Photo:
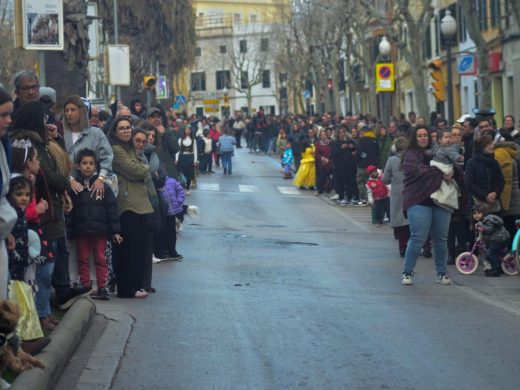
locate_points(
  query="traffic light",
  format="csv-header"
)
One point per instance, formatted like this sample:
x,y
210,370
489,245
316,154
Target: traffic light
x,y
149,82
438,83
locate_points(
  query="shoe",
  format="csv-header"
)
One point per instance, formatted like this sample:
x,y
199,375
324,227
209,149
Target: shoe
x,y
334,197
494,273
378,225
406,279
443,279
402,253
150,290
112,286
34,347
156,260
177,257
342,202
140,294
102,294
361,203
72,295
47,325
188,192
427,254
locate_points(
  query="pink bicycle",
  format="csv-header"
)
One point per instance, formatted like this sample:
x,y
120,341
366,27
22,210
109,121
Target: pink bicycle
x,y
467,262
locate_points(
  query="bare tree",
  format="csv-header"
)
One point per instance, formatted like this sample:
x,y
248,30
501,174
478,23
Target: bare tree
x,y
247,65
482,50
407,29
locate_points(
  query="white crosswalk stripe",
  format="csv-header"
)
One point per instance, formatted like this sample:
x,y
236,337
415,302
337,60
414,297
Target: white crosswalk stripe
x,y
289,190
247,188
209,186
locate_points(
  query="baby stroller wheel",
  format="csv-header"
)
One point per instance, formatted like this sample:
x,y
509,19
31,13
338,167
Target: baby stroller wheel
x,y
466,263
509,264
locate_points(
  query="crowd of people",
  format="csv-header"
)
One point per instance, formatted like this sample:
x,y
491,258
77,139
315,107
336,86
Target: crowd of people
x,y
431,180
112,186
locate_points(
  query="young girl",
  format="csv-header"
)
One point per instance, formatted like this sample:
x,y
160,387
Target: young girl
x,y
19,196
287,161
27,162
306,174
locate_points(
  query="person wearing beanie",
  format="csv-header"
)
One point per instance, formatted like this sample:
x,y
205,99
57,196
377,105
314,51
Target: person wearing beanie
x,y
377,193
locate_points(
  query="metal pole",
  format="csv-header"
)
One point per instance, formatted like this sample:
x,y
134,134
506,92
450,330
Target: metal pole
x,y
116,41
41,68
450,85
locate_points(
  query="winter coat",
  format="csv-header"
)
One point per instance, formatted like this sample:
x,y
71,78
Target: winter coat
x,y
173,196
226,143
505,154
19,256
394,176
50,185
323,156
132,173
7,213
343,159
483,176
384,144
367,151
514,203
493,230
91,215
296,138
167,149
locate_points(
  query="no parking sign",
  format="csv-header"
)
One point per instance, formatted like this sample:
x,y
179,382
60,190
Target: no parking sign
x,y
385,78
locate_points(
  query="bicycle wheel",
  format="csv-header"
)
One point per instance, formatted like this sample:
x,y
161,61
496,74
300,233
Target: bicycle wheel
x,y
517,257
466,263
509,264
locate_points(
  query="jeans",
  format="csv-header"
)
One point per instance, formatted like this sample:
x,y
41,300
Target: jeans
x,y
43,281
424,219
226,162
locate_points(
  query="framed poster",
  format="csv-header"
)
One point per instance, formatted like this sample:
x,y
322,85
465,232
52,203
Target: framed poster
x,y
42,24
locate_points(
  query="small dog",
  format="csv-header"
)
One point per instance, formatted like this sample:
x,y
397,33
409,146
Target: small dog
x,y
11,355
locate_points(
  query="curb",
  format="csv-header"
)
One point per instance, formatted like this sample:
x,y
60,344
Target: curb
x,y
64,341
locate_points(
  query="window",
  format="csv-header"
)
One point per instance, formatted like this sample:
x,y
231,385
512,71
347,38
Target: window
x,y
266,79
198,81
495,13
243,46
482,14
253,18
264,44
237,18
244,80
427,44
222,49
461,24
223,79
198,51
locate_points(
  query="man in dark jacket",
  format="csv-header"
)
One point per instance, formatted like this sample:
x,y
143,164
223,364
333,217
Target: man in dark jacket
x,y
367,154
296,137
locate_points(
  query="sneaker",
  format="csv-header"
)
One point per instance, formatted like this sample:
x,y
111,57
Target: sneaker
x,y
361,203
156,260
188,192
494,273
177,257
443,279
102,294
140,294
334,197
72,295
406,279
342,202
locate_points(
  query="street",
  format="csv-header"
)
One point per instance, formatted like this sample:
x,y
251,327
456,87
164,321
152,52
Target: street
x,y
280,289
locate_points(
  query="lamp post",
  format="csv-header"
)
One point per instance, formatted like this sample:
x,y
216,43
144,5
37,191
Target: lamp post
x,y
225,112
448,30
384,51
283,98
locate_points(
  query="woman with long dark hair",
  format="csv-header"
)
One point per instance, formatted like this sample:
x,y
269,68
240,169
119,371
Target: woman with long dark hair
x,y
187,158
134,206
420,181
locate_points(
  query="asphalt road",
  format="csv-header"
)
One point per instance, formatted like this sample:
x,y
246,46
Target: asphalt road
x,y
280,289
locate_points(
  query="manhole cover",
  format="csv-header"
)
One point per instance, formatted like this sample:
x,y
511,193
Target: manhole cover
x,y
234,235
288,243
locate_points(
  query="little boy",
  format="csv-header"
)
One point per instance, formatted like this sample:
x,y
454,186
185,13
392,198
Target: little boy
x,y
287,160
377,193
91,220
496,238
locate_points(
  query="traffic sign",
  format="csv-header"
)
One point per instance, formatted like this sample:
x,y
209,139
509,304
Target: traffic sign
x,y
467,64
180,100
306,94
385,78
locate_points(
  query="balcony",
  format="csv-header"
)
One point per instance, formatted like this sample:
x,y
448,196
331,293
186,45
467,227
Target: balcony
x,y
214,25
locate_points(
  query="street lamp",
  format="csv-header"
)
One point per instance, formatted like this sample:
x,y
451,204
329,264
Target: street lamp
x,y
448,30
384,51
283,98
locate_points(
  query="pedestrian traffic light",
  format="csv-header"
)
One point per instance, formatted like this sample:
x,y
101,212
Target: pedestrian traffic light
x,y
438,83
149,82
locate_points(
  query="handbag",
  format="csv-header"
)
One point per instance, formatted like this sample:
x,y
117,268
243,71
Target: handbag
x,y
492,208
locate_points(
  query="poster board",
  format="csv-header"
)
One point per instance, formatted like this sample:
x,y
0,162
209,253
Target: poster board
x,y
41,24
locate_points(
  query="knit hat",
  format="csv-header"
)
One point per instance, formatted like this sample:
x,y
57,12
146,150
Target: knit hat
x,y
371,168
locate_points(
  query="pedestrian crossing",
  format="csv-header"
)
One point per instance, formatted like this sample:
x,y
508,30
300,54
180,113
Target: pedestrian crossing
x,y
247,188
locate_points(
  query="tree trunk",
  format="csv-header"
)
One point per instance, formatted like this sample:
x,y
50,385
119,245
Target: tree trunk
x,y
414,57
482,52
249,100
65,83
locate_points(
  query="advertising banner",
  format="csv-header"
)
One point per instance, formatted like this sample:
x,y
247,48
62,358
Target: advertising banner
x,y
41,24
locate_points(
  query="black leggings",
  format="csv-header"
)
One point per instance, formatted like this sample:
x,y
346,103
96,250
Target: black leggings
x,y
165,240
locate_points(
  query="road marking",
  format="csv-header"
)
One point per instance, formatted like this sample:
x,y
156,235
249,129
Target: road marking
x,y
289,190
247,188
209,186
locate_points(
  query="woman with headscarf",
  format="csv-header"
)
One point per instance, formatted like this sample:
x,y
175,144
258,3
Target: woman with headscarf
x,y
79,135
